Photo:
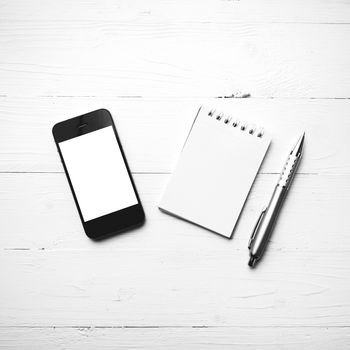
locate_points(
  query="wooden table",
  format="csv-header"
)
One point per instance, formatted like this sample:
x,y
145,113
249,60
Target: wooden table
x,y
171,285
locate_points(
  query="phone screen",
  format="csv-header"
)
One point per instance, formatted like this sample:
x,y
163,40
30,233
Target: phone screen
x,y
98,173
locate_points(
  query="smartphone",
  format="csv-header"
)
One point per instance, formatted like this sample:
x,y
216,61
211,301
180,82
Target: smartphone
x,y
98,174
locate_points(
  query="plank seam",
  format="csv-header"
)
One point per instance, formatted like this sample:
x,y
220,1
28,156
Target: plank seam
x,y
169,327
141,172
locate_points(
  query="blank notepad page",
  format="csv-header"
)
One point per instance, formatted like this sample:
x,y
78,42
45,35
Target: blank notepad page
x,y
215,171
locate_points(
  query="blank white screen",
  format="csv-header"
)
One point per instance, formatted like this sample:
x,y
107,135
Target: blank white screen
x,y
98,173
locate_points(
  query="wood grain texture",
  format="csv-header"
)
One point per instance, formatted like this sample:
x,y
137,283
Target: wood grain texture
x,y
173,288
153,130
170,284
175,338
298,11
38,213
160,275
165,59
279,49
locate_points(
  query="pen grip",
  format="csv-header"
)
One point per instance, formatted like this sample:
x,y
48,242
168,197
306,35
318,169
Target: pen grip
x,y
268,222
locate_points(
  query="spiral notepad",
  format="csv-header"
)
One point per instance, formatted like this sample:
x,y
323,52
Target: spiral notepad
x,y
216,169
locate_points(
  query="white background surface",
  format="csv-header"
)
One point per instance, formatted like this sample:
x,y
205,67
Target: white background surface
x,y
98,173
172,285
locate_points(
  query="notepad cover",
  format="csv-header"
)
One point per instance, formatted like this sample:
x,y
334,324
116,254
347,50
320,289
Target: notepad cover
x,y
214,174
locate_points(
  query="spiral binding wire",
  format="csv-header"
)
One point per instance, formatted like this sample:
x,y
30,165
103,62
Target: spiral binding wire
x,y
236,123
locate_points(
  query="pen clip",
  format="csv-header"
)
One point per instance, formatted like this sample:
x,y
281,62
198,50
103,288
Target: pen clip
x,y
252,237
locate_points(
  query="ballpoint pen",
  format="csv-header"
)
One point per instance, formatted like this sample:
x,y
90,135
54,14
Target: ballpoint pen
x,y
266,222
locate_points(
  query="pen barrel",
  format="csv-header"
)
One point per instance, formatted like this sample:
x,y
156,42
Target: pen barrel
x,y
268,221
289,171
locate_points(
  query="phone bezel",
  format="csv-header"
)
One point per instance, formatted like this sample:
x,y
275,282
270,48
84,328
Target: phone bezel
x,y
114,222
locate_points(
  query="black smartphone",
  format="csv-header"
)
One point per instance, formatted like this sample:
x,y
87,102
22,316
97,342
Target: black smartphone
x,y
98,174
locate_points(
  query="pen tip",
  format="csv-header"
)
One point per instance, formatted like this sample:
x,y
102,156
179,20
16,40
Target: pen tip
x,y
299,145
252,261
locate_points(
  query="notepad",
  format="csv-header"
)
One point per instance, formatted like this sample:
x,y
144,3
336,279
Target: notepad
x,y
215,171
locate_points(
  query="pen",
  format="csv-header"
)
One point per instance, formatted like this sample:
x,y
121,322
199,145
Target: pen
x,y
266,222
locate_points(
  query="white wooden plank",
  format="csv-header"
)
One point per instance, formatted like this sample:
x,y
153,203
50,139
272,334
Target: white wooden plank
x,y
162,58
175,338
153,130
314,11
173,288
38,212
